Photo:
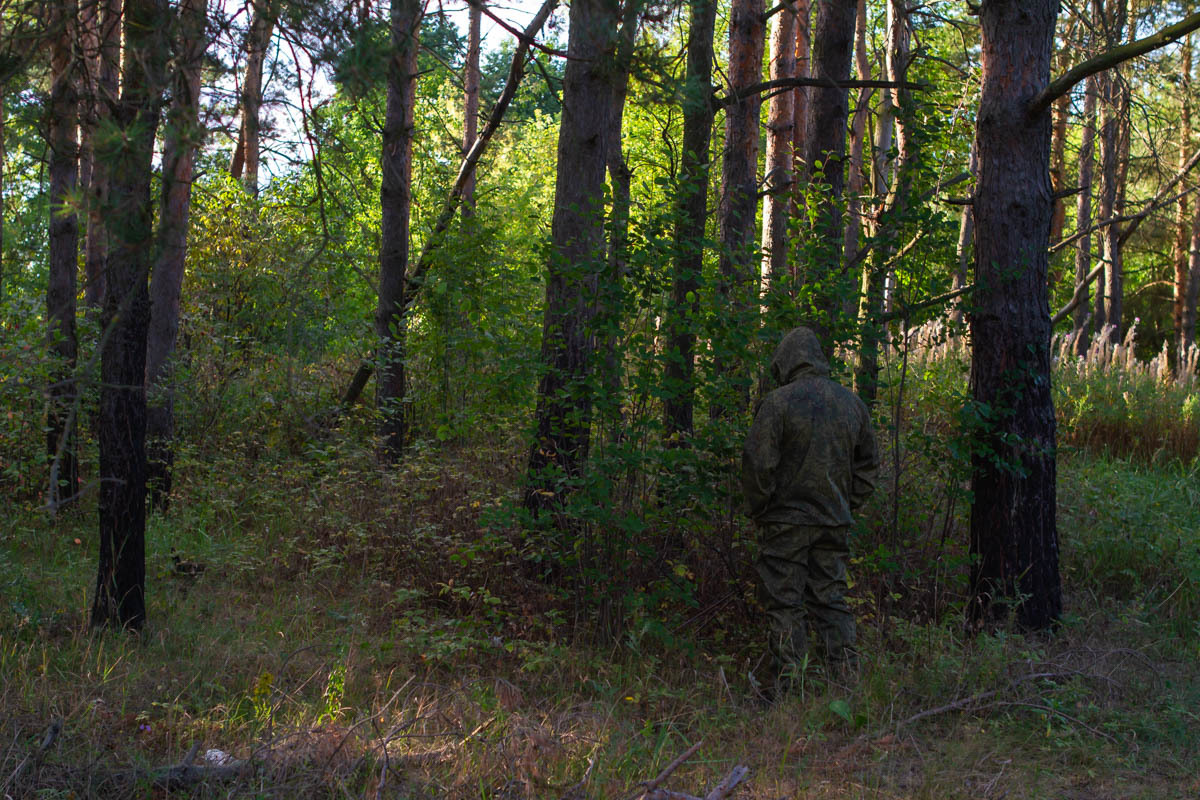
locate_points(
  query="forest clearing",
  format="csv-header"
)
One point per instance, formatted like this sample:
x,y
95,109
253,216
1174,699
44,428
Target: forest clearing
x,y
377,383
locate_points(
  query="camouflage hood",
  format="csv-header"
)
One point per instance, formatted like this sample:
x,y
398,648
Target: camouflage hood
x,y
798,354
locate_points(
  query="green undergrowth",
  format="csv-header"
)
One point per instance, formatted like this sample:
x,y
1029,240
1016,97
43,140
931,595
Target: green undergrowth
x,y
350,629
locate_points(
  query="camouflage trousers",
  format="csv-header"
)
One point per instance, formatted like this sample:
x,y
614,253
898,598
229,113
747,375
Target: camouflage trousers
x,y
802,576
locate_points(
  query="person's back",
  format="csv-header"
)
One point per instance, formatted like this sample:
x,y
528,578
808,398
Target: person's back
x,y
808,462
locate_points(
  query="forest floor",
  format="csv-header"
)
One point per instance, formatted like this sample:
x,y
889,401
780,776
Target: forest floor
x,y
335,649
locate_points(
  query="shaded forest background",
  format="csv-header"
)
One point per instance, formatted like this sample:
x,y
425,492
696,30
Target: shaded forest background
x,y
408,375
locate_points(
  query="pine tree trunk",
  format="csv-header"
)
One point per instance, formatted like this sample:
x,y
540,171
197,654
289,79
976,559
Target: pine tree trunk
x,y
855,180
1188,335
779,181
246,154
1013,531
101,28
577,255
1180,255
611,300
182,135
1083,212
62,118
121,577
391,325
3,159
824,157
683,312
1058,137
899,112
965,249
1114,140
736,270
471,102
800,95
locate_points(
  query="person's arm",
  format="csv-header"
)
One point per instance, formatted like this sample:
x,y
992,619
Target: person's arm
x,y
760,457
866,463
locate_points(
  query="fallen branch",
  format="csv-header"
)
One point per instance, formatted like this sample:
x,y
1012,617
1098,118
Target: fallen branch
x,y
725,787
650,786
652,789
974,701
34,758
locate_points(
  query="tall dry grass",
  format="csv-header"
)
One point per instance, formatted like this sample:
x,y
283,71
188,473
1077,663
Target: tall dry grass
x,y
1109,401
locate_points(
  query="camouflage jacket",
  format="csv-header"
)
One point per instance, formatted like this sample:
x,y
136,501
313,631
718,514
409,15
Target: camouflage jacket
x,y
810,457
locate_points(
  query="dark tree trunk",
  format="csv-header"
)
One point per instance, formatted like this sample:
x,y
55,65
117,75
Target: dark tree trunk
x,y
246,154
121,579
181,138
1013,529
3,119
577,257
391,324
611,300
471,101
62,119
1083,213
778,178
737,269
824,156
682,314
102,56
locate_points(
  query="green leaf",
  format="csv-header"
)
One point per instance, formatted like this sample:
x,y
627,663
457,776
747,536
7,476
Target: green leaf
x,y
842,709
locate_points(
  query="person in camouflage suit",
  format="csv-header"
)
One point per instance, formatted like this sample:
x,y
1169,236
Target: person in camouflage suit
x,y
809,460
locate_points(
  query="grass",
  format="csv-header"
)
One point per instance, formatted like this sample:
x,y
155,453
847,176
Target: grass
x,y
359,634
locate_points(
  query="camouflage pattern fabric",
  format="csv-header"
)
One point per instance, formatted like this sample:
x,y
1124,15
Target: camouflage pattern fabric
x,y
809,460
810,457
802,576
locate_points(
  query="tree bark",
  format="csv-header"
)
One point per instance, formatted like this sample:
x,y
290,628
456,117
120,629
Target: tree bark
x,y
62,118
824,157
778,180
182,136
471,101
1180,253
121,578
737,279
391,323
246,155
1114,141
577,257
611,310
800,95
874,301
1013,530
965,249
1188,337
692,198
1083,213
855,180
102,57
1058,140
3,159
